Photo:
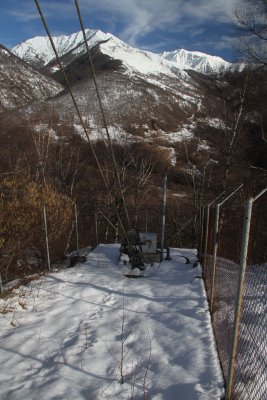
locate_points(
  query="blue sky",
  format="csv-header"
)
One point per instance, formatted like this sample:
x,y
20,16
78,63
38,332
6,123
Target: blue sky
x,y
155,25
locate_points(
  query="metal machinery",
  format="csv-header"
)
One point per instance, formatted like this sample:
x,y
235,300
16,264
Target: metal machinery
x,y
141,248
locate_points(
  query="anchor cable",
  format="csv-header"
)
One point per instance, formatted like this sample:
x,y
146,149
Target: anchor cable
x,y
78,111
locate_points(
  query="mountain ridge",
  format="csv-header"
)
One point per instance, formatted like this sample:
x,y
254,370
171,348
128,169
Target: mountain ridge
x,y
39,52
21,83
143,93
197,61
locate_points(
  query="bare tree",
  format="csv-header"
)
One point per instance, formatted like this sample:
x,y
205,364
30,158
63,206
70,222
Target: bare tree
x,y
251,20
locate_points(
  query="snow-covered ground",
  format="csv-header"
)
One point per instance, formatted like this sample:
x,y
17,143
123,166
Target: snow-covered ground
x,y
77,333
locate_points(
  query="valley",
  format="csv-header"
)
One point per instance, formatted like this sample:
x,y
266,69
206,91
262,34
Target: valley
x,y
185,114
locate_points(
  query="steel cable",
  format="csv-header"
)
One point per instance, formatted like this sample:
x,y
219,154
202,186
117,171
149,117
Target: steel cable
x,y
78,111
102,110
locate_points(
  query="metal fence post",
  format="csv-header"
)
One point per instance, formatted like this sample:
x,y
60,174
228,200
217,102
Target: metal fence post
x,y
200,244
76,227
163,216
216,243
214,252
205,245
1,286
46,239
241,286
96,228
239,300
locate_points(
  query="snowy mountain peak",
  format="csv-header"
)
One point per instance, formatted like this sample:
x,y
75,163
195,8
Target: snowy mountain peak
x,y
38,52
196,61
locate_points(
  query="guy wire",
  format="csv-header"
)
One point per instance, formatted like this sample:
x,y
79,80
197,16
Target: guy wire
x,y
77,110
102,109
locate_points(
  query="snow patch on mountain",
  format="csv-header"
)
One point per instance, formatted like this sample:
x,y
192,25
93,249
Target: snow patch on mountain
x,y
196,61
20,84
39,52
145,62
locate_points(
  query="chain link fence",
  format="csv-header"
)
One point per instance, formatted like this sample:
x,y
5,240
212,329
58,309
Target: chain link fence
x,y
237,294
208,246
250,375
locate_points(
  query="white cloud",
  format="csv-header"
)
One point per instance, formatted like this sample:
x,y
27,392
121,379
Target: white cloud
x,y
133,20
225,43
24,15
27,11
139,17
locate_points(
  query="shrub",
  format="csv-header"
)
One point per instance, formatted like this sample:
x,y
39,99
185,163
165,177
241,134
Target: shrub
x,y
22,235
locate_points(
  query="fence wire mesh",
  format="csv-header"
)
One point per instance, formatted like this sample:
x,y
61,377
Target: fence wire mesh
x,y
250,369
209,254
227,279
250,378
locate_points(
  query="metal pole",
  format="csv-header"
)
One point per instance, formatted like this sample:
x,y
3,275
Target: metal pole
x,y
96,228
76,226
231,194
46,240
214,252
239,301
1,286
163,216
200,246
205,246
260,194
216,243
206,238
